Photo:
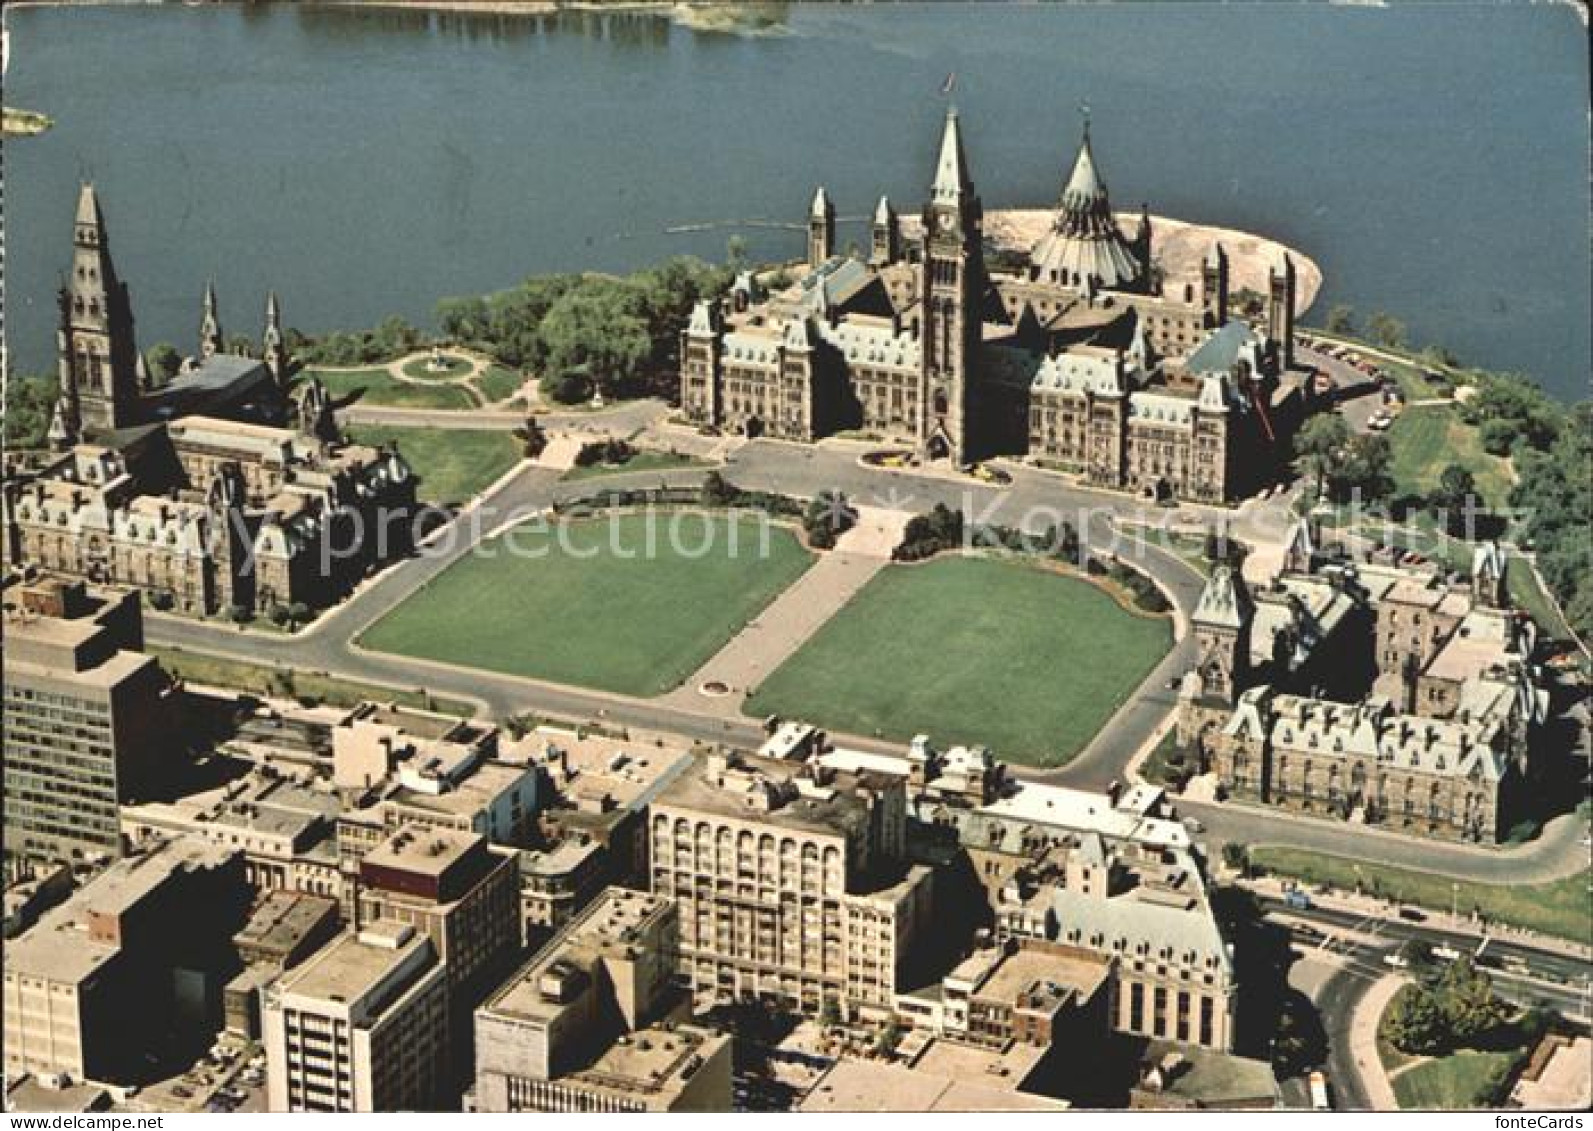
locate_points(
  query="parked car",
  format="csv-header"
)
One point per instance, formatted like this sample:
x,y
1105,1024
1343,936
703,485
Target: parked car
x,y
1396,960
1446,953
1298,900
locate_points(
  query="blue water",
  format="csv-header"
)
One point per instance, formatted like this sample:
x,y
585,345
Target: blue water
x,y
1432,159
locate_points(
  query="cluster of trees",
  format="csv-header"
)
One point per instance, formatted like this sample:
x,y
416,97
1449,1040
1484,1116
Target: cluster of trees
x,y
587,332
1511,414
1445,1008
1343,465
1145,592
828,516
29,404
393,337
1555,496
717,491
610,451
928,534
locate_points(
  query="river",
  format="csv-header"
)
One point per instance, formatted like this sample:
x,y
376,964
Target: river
x,y
1431,158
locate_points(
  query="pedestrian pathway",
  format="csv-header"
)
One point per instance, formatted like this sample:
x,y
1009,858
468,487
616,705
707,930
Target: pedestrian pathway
x,y
1363,1042
722,684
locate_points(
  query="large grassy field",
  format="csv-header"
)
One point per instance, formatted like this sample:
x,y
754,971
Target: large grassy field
x,y
971,650
1428,439
453,463
379,387
587,603
1562,908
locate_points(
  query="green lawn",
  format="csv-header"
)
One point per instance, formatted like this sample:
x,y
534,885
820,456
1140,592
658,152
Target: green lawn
x,y
971,650
1465,1078
1561,908
378,387
453,463
1427,440
641,461
453,366
260,679
499,383
587,603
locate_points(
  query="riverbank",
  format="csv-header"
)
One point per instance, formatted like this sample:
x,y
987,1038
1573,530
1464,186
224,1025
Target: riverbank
x,y
738,19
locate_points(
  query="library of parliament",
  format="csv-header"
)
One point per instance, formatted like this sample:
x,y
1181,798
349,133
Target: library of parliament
x,y
1082,357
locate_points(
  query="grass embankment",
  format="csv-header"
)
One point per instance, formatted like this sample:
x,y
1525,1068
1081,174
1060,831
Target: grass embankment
x,y
1561,908
631,603
1465,1078
641,461
1427,439
499,383
971,650
295,683
453,463
379,387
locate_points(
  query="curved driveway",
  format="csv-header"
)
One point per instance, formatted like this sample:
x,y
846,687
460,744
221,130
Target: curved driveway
x,y
1033,499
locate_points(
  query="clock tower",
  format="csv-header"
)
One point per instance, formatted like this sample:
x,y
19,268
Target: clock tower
x,y
953,277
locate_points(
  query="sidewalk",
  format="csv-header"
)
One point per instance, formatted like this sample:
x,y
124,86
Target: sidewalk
x,y
1363,1042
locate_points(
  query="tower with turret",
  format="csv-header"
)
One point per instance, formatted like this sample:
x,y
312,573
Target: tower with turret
x,y
210,341
97,355
953,273
273,346
1214,287
821,229
1280,307
886,245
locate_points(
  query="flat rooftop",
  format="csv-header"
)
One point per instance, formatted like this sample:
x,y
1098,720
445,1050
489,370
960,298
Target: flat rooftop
x,y
868,1086
835,809
610,923
424,851
1028,967
629,772
354,966
650,1060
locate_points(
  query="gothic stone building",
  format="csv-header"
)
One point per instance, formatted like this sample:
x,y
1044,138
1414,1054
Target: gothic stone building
x,y
1082,358
191,491
1367,691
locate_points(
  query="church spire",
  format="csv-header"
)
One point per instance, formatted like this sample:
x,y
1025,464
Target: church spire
x,y
210,326
272,345
951,169
96,354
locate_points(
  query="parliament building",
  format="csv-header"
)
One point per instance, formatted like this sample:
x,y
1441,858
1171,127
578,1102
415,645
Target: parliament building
x,y
1082,358
228,488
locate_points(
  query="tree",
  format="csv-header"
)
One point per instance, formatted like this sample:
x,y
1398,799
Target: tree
x,y
1366,469
1341,319
1415,1022
829,1013
1455,499
1318,447
162,360
1385,329
29,406
717,491
1236,858
532,437
1469,1003
600,329
1498,437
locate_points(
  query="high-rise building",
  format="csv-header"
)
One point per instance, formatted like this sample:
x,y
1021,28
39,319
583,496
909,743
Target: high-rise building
x,y
87,717
792,882
361,1027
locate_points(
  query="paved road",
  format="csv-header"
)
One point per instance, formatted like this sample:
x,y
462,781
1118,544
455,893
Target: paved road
x,y
1032,500
1545,976
622,420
